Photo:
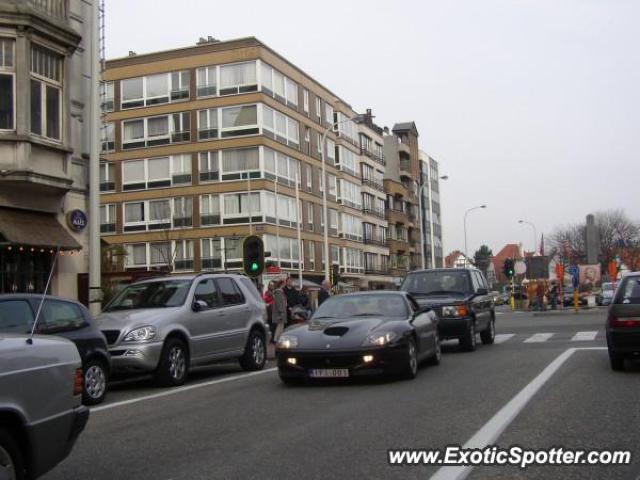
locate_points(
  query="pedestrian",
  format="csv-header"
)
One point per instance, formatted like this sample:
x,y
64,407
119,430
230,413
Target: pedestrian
x,y
553,294
305,301
293,297
270,300
279,316
325,292
540,295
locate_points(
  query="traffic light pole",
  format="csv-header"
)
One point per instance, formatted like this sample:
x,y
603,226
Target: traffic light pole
x,y
513,298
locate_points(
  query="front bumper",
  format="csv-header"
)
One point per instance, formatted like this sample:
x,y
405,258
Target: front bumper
x,y
453,327
386,360
624,341
135,357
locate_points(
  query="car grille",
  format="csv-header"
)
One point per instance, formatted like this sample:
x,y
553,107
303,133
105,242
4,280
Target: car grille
x,y
330,361
111,336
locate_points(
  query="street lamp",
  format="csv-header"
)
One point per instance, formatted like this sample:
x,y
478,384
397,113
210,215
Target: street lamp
x,y
535,234
466,256
325,187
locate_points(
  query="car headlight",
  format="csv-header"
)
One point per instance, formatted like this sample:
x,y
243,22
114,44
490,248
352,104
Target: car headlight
x,y
379,339
288,341
141,334
455,311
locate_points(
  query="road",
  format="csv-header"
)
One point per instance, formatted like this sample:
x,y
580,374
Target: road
x,y
232,425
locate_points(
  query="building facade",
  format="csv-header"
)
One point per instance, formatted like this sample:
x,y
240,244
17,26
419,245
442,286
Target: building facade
x,y
44,159
207,144
431,214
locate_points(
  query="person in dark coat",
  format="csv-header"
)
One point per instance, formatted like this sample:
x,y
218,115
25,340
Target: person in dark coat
x,y
279,315
325,292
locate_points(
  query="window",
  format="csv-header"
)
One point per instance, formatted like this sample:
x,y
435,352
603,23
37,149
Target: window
x,y
285,250
233,250
239,120
238,78
349,194
208,124
305,101
335,254
206,82
292,93
350,227
148,215
333,219
238,207
229,292
320,181
160,172
134,218
284,209
310,216
154,131
311,253
7,84
207,292
328,114
159,253
331,151
280,166
183,255
211,253
107,218
309,175
347,161
365,143
240,163
319,143
333,182
208,165
181,169
107,177
46,97
279,86
347,128
159,214
108,137
209,210
154,89
61,316
136,255
16,316
352,260
182,212
277,125
319,109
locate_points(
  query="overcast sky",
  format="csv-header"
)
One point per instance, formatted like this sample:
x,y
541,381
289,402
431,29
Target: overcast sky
x,y
530,106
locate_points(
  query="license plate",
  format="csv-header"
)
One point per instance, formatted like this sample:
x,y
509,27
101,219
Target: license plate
x,y
329,373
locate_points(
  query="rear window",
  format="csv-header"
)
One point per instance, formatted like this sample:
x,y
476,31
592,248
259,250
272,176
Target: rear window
x,y
16,316
229,292
60,316
629,291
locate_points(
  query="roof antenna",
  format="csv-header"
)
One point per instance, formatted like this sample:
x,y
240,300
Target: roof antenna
x,y
44,295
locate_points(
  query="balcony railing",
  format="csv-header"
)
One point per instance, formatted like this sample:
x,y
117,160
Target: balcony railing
x,y
376,269
53,8
375,240
373,184
373,211
373,156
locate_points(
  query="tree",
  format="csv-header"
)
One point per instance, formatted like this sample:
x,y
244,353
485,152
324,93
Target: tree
x,y
482,258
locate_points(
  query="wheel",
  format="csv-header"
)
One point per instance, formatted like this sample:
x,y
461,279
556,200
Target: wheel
x,y
617,361
255,352
95,382
489,333
410,370
468,342
11,463
437,355
174,362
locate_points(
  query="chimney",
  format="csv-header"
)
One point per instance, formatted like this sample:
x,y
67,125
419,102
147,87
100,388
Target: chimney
x,y
132,53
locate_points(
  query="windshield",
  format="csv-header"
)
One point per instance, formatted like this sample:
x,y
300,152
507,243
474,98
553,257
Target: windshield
x,y
437,283
353,306
161,294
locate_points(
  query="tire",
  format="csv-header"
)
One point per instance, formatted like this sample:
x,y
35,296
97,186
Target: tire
x,y
96,379
468,342
410,369
617,361
173,367
437,356
11,461
255,352
489,334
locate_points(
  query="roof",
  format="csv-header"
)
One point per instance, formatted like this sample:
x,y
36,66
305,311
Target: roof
x,y
35,229
510,250
405,126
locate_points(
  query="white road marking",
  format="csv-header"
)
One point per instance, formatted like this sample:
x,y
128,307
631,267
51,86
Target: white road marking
x,y
502,337
584,336
174,391
491,430
539,337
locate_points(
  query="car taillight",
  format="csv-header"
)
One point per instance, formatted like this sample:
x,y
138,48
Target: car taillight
x,y
78,382
624,322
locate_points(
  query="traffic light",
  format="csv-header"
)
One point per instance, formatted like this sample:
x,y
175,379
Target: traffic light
x,y
253,255
508,268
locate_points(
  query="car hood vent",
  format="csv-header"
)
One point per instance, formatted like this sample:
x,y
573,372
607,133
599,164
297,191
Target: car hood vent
x,y
336,331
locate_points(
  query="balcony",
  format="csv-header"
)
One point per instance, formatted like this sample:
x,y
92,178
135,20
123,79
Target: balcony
x,y
393,187
396,216
376,269
374,212
405,168
373,156
53,8
379,186
375,240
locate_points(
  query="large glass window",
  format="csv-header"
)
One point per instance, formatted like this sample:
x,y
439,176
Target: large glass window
x,y
208,124
280,166
183,258
155,89
238,78
7,85
107,218
277,125
283,209
208,166
46,84
240,163
108,137
211,253
241,120
350,194
158,130
107,177
350,227
206,82
239,206
182,212
209,210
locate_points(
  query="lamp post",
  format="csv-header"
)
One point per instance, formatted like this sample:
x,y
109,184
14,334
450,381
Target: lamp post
x,y
325,185
466,256
535,233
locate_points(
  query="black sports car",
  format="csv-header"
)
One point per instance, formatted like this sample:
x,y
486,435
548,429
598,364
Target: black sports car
x,y
358,334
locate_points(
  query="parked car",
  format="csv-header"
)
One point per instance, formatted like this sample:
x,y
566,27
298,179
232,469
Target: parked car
x,y
69,319
623,322
605,297
41,415
360,334
460,298
166,325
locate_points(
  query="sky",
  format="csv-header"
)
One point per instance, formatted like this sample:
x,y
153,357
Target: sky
x,y
531,106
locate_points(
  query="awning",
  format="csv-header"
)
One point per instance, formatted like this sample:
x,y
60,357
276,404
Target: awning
x,y
34,229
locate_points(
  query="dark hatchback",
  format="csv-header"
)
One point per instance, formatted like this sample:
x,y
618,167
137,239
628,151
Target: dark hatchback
x,y
623,322
460,297
68,319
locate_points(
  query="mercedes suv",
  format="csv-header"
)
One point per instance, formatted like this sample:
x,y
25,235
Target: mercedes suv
x,y
460,298
166,325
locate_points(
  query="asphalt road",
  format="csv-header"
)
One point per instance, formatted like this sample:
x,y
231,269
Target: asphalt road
x,y
229,424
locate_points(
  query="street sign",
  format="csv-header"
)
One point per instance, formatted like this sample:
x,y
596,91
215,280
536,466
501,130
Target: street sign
x,y
520,267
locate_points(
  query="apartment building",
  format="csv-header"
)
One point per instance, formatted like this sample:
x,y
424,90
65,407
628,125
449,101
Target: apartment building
x,y
43,150
401,184
431,215
206,144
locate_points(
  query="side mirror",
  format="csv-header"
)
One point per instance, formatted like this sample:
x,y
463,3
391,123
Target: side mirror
x,y
482,291
199,305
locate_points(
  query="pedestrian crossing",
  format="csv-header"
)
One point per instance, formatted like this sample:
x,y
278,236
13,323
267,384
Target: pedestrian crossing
x,y
542,337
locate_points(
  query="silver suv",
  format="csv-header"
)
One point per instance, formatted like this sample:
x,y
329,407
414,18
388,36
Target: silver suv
x,y
166,325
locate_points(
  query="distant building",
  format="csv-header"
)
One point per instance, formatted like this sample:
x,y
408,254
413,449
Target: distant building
x,y
510,250
456,259
431,217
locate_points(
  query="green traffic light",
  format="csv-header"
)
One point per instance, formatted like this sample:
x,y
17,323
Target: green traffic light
x,y
254,267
